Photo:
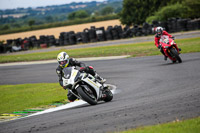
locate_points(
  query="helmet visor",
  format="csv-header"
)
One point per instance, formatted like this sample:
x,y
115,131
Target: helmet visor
x,y
159,33
62,62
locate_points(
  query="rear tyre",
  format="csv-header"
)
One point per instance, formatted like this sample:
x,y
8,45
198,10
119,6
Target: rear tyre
x,y
175,53
109,95
87,96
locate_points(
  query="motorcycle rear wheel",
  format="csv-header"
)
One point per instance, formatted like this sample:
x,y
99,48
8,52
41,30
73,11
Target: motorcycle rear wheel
x,y
86,96
175,53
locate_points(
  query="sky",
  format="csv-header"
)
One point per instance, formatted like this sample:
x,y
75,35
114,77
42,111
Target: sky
x,y
11,4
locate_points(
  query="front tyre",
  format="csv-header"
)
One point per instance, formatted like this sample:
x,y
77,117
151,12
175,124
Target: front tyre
x,y
175,53
87,96
109,95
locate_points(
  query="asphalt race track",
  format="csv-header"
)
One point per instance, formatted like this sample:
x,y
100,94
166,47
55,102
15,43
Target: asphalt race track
x,y
150,91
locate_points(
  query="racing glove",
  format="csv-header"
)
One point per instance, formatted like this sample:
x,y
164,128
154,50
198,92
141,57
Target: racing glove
x,y
159,46
173,38
65,87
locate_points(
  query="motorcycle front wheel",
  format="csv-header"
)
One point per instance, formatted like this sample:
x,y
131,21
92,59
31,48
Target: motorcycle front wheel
x,y
87,96
175,53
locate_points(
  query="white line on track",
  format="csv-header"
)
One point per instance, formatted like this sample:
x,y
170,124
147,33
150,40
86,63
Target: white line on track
x,y
69,105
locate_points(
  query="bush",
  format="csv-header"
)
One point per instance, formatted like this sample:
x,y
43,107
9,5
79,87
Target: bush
x,y
152,18
193,8
5,27
78,14
176,10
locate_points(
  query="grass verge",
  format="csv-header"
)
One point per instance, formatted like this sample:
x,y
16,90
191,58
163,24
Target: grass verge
x,y
186,126
25,96
140,49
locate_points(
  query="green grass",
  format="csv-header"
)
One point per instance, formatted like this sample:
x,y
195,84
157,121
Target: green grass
x,y
186,126
25,96
140,49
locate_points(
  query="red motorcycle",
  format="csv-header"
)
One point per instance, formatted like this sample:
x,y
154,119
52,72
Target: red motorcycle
x,y
170,48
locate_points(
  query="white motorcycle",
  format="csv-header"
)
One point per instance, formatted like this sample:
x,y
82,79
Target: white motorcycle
x,y
84,86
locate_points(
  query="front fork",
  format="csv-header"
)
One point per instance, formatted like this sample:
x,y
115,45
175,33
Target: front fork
x,y
75,94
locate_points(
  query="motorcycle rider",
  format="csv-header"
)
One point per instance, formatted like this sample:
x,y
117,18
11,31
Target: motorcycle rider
x,y
159,33
64,61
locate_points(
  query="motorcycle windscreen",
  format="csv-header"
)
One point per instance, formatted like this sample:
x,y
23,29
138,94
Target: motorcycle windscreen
x,y
67,72
164,39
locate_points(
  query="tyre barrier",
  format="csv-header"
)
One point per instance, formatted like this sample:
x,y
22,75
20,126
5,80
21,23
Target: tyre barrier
x,y
98,34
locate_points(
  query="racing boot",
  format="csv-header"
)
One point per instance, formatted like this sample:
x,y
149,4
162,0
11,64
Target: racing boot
x,y
179,50
165,57
100,79
103,96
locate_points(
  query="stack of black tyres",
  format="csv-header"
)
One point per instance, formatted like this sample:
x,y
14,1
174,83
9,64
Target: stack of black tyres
x,y
173,24
164,25
146,29
119,30
66,38
139,32
181,25
78,37
92,34
155,23
51,40
115,33
43,40
8,46
193,24
17,42
33,41
72,37
85,36
25,44
135,30
100,33
197,23
61,39
128,32
108,33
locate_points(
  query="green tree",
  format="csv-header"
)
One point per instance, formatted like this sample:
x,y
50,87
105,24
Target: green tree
x,y
136,11
71,16
193,8
107,10
78,14
182,9
174,10
49,18
81,14
31,22
5,27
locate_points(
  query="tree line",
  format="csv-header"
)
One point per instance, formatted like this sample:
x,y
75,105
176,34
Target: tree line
x,y
53,15
140,11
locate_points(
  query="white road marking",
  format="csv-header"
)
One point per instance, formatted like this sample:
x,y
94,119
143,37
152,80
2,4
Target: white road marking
x,y
69,105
